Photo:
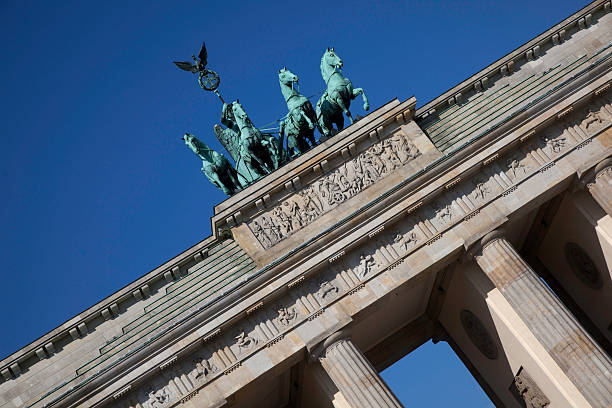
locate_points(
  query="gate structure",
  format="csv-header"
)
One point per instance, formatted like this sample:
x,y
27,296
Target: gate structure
x,y
482,219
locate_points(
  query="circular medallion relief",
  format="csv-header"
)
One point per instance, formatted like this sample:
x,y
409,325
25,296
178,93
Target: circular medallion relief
x,y
582,265
478,334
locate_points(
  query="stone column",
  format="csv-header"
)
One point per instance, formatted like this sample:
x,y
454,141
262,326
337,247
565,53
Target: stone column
x,y
353,374
582,360
600,186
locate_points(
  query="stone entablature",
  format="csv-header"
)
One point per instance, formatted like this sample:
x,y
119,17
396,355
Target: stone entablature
x,y
321,292
507,65
111,308
478,188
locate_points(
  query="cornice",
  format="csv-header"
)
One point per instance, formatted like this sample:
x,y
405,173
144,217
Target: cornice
x,y
554,36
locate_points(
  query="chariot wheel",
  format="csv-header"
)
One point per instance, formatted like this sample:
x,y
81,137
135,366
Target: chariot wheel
x,y
209,80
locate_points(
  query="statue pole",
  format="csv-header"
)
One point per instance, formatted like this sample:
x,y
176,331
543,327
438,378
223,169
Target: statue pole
x,y
219,95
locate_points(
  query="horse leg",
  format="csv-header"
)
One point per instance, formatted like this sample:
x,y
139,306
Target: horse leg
x,y
214,177
250,157
307,134
356,92
323,124
307,119
344,108
339,121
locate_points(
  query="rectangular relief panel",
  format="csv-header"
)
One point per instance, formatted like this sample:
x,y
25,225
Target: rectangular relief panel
x,y
362,176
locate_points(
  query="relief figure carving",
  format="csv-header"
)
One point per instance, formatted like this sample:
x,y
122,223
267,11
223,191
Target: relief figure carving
x,y
366,264
286,315
245,342
555,145
515,167
481,189
334,188
157,398
203,368
405,240
443,212
592,119
529,391
327,289
260,234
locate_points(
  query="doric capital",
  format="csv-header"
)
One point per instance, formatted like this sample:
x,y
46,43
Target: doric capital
x,y
590,171
319,351
603,166
474,248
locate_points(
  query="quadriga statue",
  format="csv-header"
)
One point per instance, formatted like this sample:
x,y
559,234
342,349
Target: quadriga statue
x,y
215,166
261,153
338,95
301,120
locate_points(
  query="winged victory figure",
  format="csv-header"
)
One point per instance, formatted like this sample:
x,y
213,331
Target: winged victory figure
x,y
208,79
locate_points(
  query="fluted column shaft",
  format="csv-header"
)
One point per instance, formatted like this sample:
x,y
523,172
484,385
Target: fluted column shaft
x,y
601,186
353,374
582,360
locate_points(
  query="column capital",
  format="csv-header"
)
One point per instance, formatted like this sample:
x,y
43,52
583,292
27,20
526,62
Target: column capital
x,y
318,351
605,164
598,182
475,247
589,172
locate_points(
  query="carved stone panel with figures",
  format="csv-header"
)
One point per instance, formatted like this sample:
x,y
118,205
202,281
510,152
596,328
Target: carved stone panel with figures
x,y
355,175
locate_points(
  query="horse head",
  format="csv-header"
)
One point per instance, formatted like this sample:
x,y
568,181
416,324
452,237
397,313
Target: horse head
x,y
331,59
287,77
198,147
241,116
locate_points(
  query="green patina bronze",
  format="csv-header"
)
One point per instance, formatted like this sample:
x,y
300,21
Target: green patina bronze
x,y
209,80
258,153
261,153
301,120
215,166
338,95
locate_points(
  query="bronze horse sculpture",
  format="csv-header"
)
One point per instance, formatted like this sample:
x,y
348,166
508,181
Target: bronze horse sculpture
x,y
215,166
255,152
261,153
337,97
301,120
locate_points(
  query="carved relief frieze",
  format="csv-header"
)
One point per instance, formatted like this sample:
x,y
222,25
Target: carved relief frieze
x,y
592,119
405,241
324,194
367,263
202,368
443,212
554,141
286,316
482,189
327,291
245,342
527,391
156,397
424,223
517,168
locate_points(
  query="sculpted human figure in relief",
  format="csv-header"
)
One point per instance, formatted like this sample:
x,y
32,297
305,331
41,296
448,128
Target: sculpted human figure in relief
x,y
334,188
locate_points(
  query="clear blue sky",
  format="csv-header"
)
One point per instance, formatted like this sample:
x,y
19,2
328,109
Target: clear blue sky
x,y
98,189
